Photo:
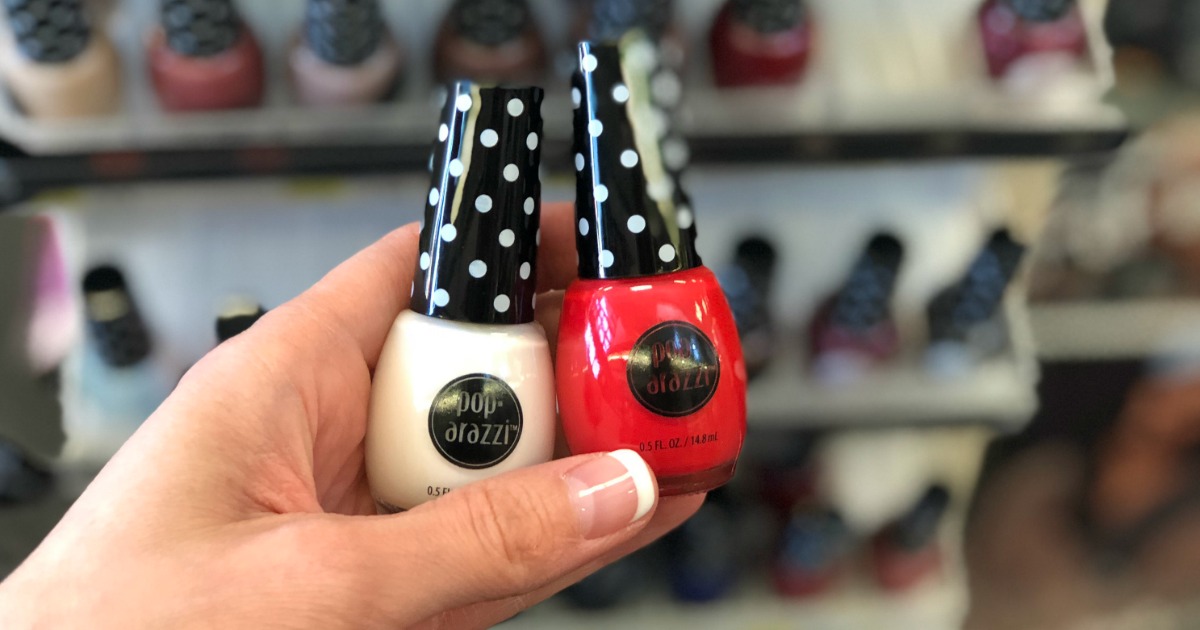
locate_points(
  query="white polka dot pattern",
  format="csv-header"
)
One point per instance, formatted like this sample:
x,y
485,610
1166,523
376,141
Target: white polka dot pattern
x,y
480,233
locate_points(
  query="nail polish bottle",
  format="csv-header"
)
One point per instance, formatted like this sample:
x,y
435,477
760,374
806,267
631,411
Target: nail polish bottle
x,y
761,42
906,551
648,354
344,55
610,20
237,318
119,382
965,322
21,480
611,586
60,66
813,553
747,286
854,329
464,387
490,40
704,553
1014,29
53,324
203,57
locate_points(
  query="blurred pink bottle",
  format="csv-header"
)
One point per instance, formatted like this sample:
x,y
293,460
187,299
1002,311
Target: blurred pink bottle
x,y
1014,29
344,55
53,326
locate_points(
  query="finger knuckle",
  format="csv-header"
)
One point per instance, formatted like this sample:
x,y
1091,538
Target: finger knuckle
x,y
516,533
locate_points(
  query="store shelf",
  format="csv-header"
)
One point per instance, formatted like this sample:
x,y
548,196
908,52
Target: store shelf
x,y
1131,329
917,90
999,393
938,605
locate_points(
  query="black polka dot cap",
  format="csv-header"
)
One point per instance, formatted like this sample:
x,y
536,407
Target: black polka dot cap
x,y
49,31
201,28
976,298
491,22
1041,10
344,32
634,218
770,16
113,318
478,260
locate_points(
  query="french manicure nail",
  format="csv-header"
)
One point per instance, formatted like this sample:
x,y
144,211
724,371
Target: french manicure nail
x,y
611,492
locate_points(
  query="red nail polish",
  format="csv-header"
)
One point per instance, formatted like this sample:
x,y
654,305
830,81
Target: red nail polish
x,y
761,42
1013,29
907,551
854,330
202,57
648,353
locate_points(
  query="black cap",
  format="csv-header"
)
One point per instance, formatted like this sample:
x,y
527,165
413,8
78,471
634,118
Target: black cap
x,y
976,298
916,528
634,219
49,31
612,19
864,301
113,318
1040,10
344,32
478,259
201,28
490,22
237,318
770,16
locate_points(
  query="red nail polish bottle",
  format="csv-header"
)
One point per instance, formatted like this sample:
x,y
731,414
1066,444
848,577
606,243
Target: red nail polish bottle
x,y
648,353
1013,29
907,551
761,42
202,57
854,329
490,40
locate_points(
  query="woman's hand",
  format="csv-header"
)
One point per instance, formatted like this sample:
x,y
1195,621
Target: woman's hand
x,y
243,501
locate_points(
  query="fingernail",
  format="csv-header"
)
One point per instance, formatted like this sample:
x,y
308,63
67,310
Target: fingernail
x,y
611,492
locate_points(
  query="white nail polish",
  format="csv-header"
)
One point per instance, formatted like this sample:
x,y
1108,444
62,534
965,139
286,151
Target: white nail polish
x,y
464,388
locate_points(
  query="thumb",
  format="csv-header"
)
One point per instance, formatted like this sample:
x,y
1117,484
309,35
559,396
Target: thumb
x,y
508,536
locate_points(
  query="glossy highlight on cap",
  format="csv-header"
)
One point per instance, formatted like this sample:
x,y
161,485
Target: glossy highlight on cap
x,y
478,259
633,216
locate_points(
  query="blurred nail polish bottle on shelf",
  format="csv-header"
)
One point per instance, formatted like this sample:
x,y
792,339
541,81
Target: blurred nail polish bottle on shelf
x,y
966,324
118,382
203,57
21,480
464,388
854,330
54,327
611,586
495,41
609,20
60,67
704,552
813,553
761,42
648,354
747,286
906,552
237,317
1012,30
344,55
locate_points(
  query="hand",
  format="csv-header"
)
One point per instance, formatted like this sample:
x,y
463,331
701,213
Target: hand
x,y
243,501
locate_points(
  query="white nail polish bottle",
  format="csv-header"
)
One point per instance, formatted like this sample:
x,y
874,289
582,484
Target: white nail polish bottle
x,y
464,388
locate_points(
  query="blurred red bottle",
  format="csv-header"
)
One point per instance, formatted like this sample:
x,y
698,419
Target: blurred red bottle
x,y
1013,29
761,42
648,352
907,551
854,329
203,57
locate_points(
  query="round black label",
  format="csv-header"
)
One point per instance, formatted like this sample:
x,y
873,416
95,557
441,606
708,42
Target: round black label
x,y
475,421
674,370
